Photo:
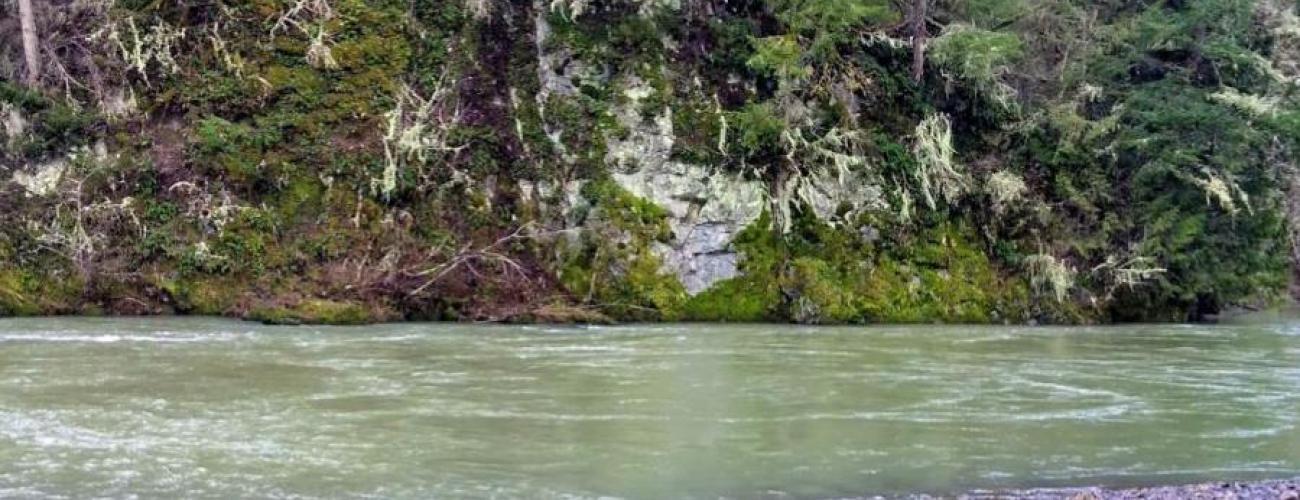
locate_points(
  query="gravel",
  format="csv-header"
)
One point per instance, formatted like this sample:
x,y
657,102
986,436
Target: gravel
x,y
1286,489
1259,490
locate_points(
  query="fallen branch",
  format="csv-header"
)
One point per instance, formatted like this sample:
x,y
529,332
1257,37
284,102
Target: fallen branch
x,y
467,256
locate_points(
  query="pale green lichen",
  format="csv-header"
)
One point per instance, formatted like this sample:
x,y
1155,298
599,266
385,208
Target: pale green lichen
x,y
979,56
1223,191
1257,105
139,48
1004,188
418,128
44,179
1049,275
937,169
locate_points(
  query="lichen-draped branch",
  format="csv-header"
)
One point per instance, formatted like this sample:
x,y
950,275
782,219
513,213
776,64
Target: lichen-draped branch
x,y
1222,190
139,48
937,170
1004,188
418,131
309,17
80,227
1049,275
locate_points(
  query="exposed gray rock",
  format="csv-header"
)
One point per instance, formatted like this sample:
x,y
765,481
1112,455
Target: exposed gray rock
x,y
706,209
564,201
12,122
648,143
548,63
559,72
42,179
827,191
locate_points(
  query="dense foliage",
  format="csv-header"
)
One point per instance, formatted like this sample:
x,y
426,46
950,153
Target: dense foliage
x,y
537,160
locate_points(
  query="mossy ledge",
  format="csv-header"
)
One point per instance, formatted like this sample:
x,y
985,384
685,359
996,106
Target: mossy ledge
x,y
315,312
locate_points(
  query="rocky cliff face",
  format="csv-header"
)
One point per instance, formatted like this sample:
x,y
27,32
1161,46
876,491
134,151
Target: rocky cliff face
x,y
706,206
347,161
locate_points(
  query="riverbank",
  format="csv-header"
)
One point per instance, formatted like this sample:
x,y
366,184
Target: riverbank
x,y
1284,489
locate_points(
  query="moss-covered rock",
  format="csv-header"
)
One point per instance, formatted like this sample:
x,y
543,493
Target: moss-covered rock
x,y
315,312
560,314
204,295
13,299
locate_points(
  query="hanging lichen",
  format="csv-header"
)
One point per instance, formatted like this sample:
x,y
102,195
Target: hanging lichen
x,y
1048,275
418,128
156,45
937,174
1004,188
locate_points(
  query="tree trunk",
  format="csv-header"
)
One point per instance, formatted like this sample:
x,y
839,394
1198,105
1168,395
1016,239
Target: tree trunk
x,y
919,35
31,51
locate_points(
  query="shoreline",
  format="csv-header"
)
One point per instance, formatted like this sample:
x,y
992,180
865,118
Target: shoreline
x,y
281,319
1273,489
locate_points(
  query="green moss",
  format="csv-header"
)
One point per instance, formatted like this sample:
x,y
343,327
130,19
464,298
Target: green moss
x,y
222,93
824,274
758,132
754,295
315,312
584,123
13,299
939,276
234,149
616,35
55,126
300,200
698,128
746,299
210,296
821,294
627,211
29,292
627,283
298,148
613,265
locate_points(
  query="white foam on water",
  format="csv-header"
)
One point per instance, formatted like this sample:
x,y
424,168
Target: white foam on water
x,y
579,349
100,339
47,431
1073,390
1247,433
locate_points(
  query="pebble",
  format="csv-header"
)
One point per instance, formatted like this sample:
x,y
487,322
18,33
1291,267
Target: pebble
x,y
1286,489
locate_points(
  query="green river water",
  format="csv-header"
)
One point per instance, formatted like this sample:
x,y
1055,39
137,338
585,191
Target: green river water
x,y
208,408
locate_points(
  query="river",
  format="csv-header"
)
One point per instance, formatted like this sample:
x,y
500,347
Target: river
x,y
211,408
